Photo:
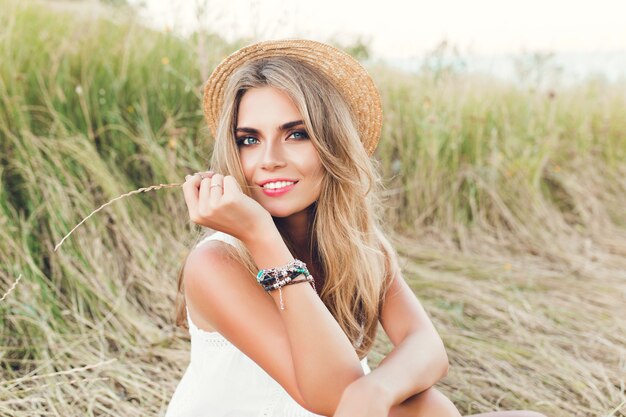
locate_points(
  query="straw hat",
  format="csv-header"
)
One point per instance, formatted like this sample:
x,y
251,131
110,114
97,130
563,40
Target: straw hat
x,y
345,72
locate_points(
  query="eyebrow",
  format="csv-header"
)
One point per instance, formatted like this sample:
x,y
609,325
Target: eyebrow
x,y
284,127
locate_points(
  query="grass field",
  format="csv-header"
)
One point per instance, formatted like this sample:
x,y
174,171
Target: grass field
x,y
506,204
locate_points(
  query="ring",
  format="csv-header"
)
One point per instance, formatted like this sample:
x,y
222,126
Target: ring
x,y
216,185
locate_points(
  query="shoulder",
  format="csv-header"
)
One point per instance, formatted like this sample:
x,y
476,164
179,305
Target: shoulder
x,y
213,281
209,262
222,292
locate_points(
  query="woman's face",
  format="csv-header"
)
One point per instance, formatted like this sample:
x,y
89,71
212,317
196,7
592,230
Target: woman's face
x,y
274,146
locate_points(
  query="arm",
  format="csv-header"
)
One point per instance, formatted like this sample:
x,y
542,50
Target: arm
x,y
325,361
411,367
221,291
419,358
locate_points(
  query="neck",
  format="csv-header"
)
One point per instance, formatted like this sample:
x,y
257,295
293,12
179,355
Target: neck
x,y
297,228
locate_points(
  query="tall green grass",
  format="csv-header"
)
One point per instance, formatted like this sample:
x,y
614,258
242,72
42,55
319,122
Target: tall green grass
x,y
506,204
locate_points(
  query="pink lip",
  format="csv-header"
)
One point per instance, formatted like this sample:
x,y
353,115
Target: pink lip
x,y
278,191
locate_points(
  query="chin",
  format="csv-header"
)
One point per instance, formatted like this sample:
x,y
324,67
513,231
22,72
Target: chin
x,y
282,212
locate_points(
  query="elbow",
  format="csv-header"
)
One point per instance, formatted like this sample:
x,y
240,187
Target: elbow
x,y
446,363
323,411
446,368
326,403
324,406
443,358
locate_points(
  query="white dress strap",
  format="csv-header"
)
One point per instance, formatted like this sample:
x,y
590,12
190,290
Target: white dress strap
x,y
217,235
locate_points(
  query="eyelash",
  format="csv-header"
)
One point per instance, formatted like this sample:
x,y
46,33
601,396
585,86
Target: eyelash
x,y
240,139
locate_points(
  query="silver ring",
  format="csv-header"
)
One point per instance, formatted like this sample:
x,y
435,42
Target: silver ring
x,y
216,185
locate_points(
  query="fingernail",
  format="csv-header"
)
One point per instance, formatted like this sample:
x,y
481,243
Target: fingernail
x,y
187,177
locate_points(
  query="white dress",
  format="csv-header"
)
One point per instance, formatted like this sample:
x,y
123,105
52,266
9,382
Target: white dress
x,y
221,381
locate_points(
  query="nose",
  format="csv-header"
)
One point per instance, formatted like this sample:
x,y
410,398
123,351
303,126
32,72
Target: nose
x,y
272,156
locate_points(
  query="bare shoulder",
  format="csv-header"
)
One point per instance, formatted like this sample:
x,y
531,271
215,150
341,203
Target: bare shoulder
x,y
221,291
208,271
211,252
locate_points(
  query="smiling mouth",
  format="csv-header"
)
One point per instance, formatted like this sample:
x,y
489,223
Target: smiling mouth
x,y
279,190
285,185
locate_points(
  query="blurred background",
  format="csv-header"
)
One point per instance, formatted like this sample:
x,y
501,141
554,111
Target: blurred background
x,y
574,39
502,152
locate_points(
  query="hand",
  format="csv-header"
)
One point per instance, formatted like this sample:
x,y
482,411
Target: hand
x,y
217,202
363,399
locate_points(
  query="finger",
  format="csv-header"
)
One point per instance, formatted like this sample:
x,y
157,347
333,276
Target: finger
x,y
197,177
204,198
215,193
191,190
231,186
203,174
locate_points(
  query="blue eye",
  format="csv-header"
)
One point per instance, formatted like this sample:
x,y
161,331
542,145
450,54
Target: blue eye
x,y
242,140
301,132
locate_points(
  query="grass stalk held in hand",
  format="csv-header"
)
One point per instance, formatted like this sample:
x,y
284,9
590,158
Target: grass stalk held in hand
x,y
140,190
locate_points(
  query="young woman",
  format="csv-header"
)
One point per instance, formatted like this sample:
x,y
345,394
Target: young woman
x,y
292,198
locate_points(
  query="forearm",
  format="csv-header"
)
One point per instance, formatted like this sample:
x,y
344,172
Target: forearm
x,y
325,361
414,365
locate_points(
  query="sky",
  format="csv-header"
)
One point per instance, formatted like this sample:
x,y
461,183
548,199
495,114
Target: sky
x,y
587,37
405,28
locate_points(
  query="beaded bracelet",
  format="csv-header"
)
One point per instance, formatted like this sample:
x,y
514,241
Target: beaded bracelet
x,y
267,277
269,283
288,281
276,278
272,274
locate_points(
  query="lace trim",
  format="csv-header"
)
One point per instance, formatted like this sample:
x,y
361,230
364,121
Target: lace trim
x,y
211,338
273,402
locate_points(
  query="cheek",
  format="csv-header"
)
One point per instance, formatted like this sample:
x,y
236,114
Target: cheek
x,y
316,167
311,161
247,167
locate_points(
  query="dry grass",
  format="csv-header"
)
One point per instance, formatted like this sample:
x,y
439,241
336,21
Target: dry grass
x,y
506,205
525,331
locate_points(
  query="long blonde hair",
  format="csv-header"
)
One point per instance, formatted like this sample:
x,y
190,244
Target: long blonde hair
x,y
347,241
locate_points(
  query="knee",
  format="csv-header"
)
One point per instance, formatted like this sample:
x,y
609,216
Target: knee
x,y
432,402
441,402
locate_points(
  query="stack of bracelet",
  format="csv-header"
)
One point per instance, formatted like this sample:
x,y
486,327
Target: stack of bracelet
x,y
276,278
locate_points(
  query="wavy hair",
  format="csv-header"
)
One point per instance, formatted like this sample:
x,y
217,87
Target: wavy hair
x,y
347,242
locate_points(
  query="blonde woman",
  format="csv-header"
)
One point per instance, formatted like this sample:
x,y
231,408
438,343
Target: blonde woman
x,y
295,124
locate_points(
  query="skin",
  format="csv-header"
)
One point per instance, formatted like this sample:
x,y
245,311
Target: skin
x,y
217,202
275,153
